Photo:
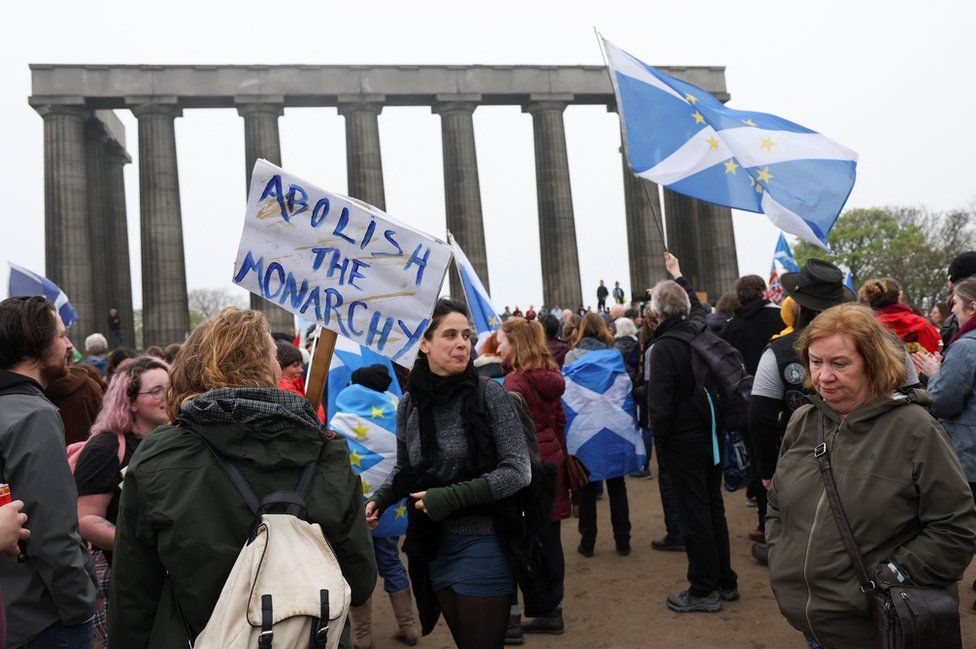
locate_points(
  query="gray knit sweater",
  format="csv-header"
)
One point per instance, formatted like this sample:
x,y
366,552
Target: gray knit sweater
x,y
512,473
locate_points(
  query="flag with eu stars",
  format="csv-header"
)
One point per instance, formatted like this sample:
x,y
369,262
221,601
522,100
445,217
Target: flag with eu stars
x,y
601,429
26,282
348,357
783,262
683,138
367,420
483,313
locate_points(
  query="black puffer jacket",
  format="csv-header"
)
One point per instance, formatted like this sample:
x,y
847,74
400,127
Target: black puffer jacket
x,y
750,329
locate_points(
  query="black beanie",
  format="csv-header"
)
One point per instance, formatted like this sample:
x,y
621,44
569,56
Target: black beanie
x,y
375,377
963,266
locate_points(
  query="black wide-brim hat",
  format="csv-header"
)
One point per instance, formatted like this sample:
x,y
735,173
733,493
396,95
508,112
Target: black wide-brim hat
x,y
819,285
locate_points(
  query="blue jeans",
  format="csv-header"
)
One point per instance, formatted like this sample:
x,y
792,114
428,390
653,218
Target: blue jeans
x,y
389,565
63,636
813,644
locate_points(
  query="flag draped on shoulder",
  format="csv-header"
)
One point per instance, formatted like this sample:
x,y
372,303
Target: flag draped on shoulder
x,y
348,357
483,313
26,282
600,426
783,262
367,420
680,136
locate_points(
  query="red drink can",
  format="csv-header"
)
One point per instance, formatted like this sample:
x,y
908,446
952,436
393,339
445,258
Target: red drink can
x,y
4,493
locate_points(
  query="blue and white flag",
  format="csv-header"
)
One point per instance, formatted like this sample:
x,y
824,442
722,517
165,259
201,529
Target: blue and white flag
x,y
600,426
679,136
25,282
348,357
849,282
783,262
367,420
483,313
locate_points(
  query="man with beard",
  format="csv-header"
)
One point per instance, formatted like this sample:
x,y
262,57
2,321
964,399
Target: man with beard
x,y
49,591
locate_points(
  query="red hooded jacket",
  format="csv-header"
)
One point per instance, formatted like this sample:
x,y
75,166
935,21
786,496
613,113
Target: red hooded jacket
x,y
909,327
543,391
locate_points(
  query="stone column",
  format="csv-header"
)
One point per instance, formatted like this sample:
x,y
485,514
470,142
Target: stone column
x,y
261,140
557,229
165,314
99,226
67,245
723,263
645,247
119,271
462,189
364,165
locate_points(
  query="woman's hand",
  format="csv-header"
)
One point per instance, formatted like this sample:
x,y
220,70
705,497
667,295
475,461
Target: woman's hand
x,y
372,515
767,484
419,498
671,263
926,363
12,527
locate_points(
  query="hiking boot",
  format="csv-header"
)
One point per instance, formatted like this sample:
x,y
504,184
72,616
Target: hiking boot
x,y
687,603
552,625
728,594
751,501
757,536
668,544
642,475
585,551
403,611
362,622
513,635
760,553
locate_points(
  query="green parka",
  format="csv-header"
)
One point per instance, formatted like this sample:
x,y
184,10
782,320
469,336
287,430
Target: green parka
x,y
182,523
906,499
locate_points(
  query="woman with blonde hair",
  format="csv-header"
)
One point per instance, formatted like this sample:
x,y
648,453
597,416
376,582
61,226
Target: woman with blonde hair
x,y
897,477
182,523
533,373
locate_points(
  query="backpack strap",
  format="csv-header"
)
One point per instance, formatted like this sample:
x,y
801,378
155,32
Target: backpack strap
x,y
234,473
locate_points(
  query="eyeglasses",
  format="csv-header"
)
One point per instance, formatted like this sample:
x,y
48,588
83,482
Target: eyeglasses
x,y
156,393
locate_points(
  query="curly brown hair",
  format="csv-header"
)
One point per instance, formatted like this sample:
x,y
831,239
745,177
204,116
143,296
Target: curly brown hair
x,y
229,350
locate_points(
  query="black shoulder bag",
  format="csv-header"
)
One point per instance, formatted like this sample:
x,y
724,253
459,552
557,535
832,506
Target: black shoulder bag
x,y
905,617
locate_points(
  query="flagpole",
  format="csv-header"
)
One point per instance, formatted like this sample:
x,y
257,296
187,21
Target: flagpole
x,y
655,215
457,267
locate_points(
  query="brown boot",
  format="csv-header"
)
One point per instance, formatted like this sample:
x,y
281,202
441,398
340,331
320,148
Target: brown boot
x,y
362,622
403,610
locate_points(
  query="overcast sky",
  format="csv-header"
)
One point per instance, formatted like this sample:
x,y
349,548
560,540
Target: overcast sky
x,y
892,80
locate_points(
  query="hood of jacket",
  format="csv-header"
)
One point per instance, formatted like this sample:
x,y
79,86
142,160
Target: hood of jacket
x,y
10,379
487,359
70,382
268,428
900,319
751,309
550,384
592,344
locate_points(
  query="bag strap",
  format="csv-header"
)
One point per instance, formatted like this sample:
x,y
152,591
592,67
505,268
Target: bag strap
x,y
867,585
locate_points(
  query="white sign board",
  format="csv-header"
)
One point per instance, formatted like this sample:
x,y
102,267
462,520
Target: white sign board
x,y
339,261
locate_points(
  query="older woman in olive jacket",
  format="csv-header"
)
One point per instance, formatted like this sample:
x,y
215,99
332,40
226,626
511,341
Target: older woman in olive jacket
x,y
898,478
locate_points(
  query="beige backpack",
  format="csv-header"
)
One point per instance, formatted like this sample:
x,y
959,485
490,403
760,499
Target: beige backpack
x,y
286,589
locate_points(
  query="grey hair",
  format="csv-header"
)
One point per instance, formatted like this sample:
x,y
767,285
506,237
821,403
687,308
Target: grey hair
x,y
669,299
624,327
96,344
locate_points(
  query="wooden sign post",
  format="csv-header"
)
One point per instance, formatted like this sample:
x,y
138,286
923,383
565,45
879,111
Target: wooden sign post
x,y
319,368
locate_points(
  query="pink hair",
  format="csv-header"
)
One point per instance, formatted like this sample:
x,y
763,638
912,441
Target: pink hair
x,y
115,416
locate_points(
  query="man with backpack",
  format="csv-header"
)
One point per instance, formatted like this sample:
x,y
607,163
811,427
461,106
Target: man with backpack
x,y
685,410
49,591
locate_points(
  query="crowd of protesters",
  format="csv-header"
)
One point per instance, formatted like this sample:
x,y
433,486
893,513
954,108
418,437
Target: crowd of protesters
x,y
123,528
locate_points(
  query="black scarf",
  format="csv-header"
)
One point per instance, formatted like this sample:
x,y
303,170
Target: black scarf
x,y
427,391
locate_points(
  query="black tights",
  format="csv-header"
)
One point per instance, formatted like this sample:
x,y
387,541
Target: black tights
x,y
475,622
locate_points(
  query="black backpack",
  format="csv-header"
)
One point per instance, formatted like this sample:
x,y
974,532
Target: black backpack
x,y
718,366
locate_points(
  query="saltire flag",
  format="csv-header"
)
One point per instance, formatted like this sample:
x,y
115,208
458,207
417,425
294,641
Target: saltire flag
x,y
367,420
783,262
483,314
348,357
849,282
26,282
679,136
601,429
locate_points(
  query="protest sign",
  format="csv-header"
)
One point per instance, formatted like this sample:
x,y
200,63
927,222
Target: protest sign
x,y
339,261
